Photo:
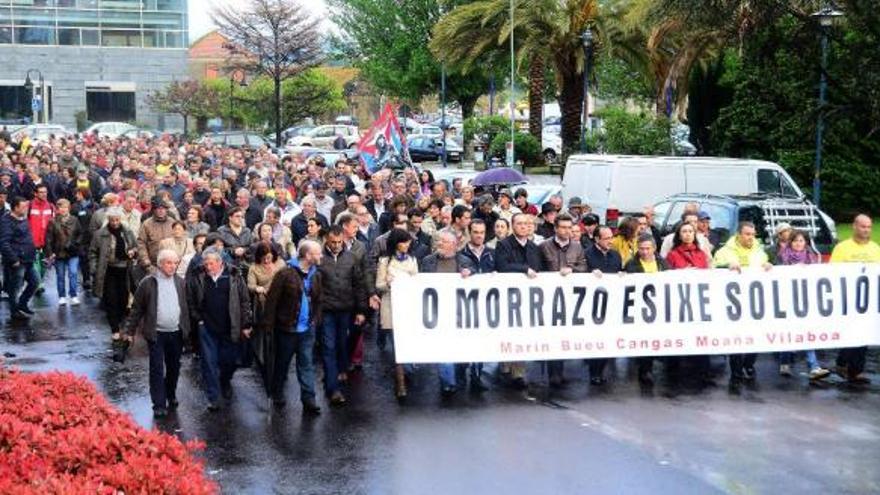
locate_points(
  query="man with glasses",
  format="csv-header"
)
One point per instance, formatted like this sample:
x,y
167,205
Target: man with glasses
x,y
601,259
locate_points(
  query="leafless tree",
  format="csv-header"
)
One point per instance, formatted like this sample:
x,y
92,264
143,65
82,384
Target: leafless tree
x,y
276,38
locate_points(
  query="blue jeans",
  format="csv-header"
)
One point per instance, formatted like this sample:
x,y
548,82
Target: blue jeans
x,y
334,347
220,357
16,276
69,269
286,346
165,354
788,358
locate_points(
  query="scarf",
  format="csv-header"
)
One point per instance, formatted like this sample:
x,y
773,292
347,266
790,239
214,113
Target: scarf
x,y
789,256
119,248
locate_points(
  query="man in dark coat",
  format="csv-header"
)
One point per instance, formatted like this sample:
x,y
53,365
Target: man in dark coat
x,y
18,252
518,254
344,303
648,261
220,303
601,259
292,312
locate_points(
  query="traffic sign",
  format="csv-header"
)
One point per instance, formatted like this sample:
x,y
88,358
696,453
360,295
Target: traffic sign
x,y
37,104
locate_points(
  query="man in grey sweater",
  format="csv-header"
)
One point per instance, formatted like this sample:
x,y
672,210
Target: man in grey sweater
x,y
160,310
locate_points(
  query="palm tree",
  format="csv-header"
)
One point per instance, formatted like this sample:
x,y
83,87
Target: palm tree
x,y
545,31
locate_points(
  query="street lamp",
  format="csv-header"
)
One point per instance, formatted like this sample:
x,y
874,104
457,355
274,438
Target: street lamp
x,y
242,83
443,111
587,40
511,150
826,18
30,87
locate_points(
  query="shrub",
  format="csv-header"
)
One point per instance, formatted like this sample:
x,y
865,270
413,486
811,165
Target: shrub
x,y
628,133
526,148
58,434
485,127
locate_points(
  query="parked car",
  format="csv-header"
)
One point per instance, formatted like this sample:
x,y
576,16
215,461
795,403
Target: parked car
x,y
297,130
427,148
323,136
627,183
346,120
539,193
141,133
41,132
765,211
430,130
238,139
109,129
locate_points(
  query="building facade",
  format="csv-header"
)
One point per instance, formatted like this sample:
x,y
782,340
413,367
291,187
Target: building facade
x,y
97,58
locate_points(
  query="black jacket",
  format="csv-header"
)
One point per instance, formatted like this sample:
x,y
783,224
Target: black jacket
x,y
512,257
609,262
16,241
342,282
299,226
281,310
484,264
240,313
371,207
634,266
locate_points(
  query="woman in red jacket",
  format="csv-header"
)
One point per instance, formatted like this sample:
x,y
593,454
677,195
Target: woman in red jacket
x,y
686,253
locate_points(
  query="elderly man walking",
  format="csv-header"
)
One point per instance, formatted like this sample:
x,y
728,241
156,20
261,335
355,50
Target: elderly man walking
x,y
160,309
219,302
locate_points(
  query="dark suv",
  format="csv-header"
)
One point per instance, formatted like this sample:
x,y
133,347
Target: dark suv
x,y
765,211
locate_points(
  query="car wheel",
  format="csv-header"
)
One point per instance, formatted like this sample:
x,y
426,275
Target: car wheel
x,y
549,157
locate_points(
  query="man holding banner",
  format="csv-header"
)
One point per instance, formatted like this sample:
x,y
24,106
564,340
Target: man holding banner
x,y
518,254
742,252
859,249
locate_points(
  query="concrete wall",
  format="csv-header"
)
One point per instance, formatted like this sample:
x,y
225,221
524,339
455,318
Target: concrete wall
x,y
68,68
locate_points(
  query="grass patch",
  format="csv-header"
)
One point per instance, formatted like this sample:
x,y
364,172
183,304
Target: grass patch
x,y
844,230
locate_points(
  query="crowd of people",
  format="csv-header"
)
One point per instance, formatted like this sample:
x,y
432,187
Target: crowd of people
x,y
238,254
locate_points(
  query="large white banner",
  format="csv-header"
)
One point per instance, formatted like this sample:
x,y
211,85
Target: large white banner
x,y
510,317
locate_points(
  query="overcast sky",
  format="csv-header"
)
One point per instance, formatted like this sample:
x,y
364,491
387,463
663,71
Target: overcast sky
x,y
200,14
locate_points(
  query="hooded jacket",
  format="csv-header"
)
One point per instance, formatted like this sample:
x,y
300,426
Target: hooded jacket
x,y
733,253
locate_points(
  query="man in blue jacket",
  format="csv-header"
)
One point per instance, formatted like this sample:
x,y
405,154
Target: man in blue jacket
x,y
19,253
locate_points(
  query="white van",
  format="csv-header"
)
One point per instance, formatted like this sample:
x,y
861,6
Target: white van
x,y
629,183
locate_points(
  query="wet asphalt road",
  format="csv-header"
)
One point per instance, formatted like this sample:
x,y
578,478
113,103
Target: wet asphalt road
x,y
784,436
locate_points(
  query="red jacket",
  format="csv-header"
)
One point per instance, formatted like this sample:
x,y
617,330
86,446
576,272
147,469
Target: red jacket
x,y
40,216
687,256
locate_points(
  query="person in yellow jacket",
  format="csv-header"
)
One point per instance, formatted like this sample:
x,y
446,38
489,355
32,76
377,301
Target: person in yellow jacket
x,y
626,240
858,249
742,252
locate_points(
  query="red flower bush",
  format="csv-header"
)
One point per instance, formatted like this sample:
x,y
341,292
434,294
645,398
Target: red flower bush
x,y
59,435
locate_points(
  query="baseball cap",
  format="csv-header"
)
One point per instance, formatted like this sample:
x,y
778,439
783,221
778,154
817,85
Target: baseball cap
x,y
704,215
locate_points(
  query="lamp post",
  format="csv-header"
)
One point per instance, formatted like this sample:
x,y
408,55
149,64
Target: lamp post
x,y
826,18
587,40
29,86
511,156
443,111
242,83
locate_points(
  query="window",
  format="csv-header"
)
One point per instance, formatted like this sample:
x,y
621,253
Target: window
x,y
675,214
67,36
114,37
235,140
768,181
34,35
722,217
255,140
90,37
661,210
108,106
5,34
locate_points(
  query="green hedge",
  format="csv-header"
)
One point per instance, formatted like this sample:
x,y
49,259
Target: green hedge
x,y
526,148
